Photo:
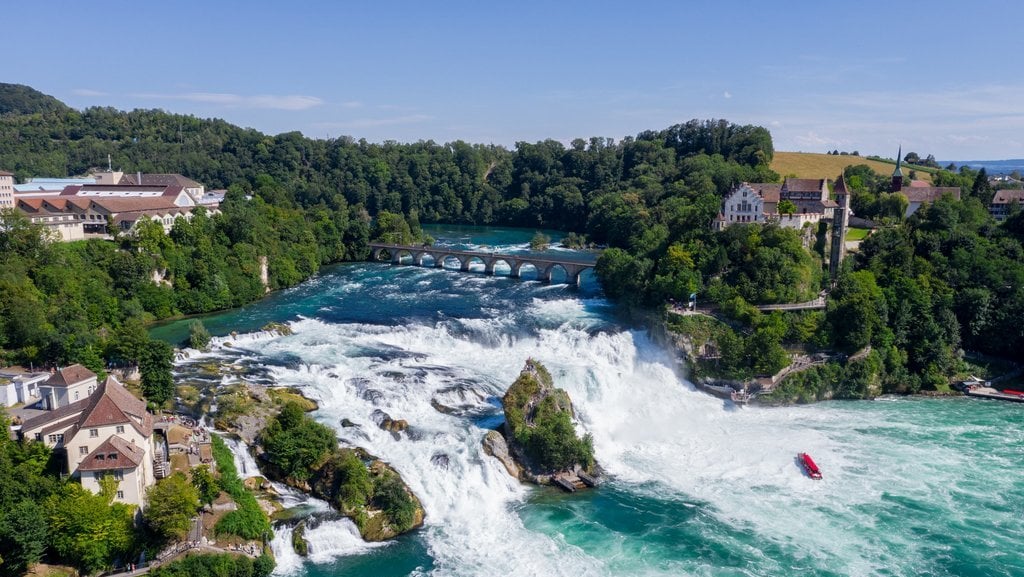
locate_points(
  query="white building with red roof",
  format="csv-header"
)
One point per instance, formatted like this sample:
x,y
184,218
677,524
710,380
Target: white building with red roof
x,y
758,203
105,432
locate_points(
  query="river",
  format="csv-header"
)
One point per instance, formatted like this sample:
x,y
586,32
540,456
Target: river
x,y
696,486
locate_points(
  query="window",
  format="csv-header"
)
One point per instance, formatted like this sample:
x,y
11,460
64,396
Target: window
x,y
100,457
76,395
53,438
83,450
119,475
94,433
120,494
39,436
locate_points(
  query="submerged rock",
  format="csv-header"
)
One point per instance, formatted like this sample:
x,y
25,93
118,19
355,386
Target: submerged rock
x,y
460,400
440,460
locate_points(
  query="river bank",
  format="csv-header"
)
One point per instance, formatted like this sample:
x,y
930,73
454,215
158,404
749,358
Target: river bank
x,y
692,485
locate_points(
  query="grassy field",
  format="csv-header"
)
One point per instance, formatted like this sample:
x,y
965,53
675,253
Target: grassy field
x,y
812,165
857,234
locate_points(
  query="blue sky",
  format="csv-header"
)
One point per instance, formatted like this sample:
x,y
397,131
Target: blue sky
x,y
939,77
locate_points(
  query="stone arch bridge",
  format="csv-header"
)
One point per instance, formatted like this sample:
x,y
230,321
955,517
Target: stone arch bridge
x,y
545,266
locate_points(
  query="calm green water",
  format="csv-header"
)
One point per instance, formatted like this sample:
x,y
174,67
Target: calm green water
x,y
696,486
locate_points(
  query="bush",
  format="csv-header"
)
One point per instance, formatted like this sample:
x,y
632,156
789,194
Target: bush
x,y
294,442
389,494
217,565
198,336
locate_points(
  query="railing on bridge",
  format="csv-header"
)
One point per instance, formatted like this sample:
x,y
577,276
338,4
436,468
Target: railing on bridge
x,y
545,266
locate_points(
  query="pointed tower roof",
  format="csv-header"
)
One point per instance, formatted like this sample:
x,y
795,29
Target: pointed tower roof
x,y
840,187
899,159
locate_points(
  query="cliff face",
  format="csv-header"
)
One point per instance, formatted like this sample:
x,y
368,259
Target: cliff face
x,y
538,442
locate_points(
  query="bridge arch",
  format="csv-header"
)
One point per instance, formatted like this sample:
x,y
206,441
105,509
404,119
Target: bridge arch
x,y
494,269
442,261
551,270
469,260
526,266
544,269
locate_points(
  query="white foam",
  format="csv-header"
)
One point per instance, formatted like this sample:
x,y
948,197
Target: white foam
x,y
652,432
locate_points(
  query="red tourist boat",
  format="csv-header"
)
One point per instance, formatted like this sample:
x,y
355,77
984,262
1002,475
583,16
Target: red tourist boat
x,y
809,465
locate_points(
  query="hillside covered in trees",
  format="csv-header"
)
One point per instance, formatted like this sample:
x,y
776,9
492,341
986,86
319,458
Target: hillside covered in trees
x,y
649,198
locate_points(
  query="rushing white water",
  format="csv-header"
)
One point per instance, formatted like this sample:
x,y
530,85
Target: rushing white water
x,y
327,540
244,461
696,486
648,425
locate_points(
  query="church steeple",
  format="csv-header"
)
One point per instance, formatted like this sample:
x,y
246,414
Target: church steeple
x,y
897,175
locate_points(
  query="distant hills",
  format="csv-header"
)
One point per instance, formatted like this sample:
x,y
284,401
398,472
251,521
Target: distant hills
x,y
992,167
21,99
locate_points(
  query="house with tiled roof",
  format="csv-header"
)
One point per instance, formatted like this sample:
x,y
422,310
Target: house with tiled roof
x,y
1003,201
920,195
66,386
113,436
758,203
106,432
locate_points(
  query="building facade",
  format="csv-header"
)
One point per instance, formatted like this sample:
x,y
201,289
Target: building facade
x,y
106,433
758,203
6,189
1003,202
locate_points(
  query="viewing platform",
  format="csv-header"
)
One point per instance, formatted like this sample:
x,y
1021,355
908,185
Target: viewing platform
x,y
419,255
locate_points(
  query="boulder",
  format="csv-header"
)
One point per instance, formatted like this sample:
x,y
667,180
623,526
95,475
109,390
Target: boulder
x,y
495,446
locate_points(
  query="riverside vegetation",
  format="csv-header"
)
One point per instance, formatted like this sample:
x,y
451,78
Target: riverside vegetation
x,y
918,292
305,454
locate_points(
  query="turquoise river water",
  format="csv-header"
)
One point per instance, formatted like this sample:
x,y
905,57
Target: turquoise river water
x,y
696,486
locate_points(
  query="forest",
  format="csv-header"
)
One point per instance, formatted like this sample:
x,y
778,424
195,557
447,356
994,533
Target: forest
x,y
946,279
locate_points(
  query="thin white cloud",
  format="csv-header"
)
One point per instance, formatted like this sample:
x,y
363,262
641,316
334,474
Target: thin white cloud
x,y
726,95
264,101
87,92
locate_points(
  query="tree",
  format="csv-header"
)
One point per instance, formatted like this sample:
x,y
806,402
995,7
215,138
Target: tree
x,y
540,241
856,310
912,158
170,506
294,442
155,365
89,530
205,484
787,207
198,336
24,531
391,228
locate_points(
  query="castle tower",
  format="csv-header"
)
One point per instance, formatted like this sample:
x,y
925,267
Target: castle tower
x,y
840,221
897,175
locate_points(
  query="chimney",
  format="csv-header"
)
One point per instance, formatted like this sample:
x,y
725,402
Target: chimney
x,y
139,177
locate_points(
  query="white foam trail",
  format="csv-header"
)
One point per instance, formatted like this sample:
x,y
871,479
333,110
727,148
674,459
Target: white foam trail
x,y
327,541
244,461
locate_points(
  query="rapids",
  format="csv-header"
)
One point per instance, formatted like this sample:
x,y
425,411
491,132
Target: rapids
x,y
697,486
